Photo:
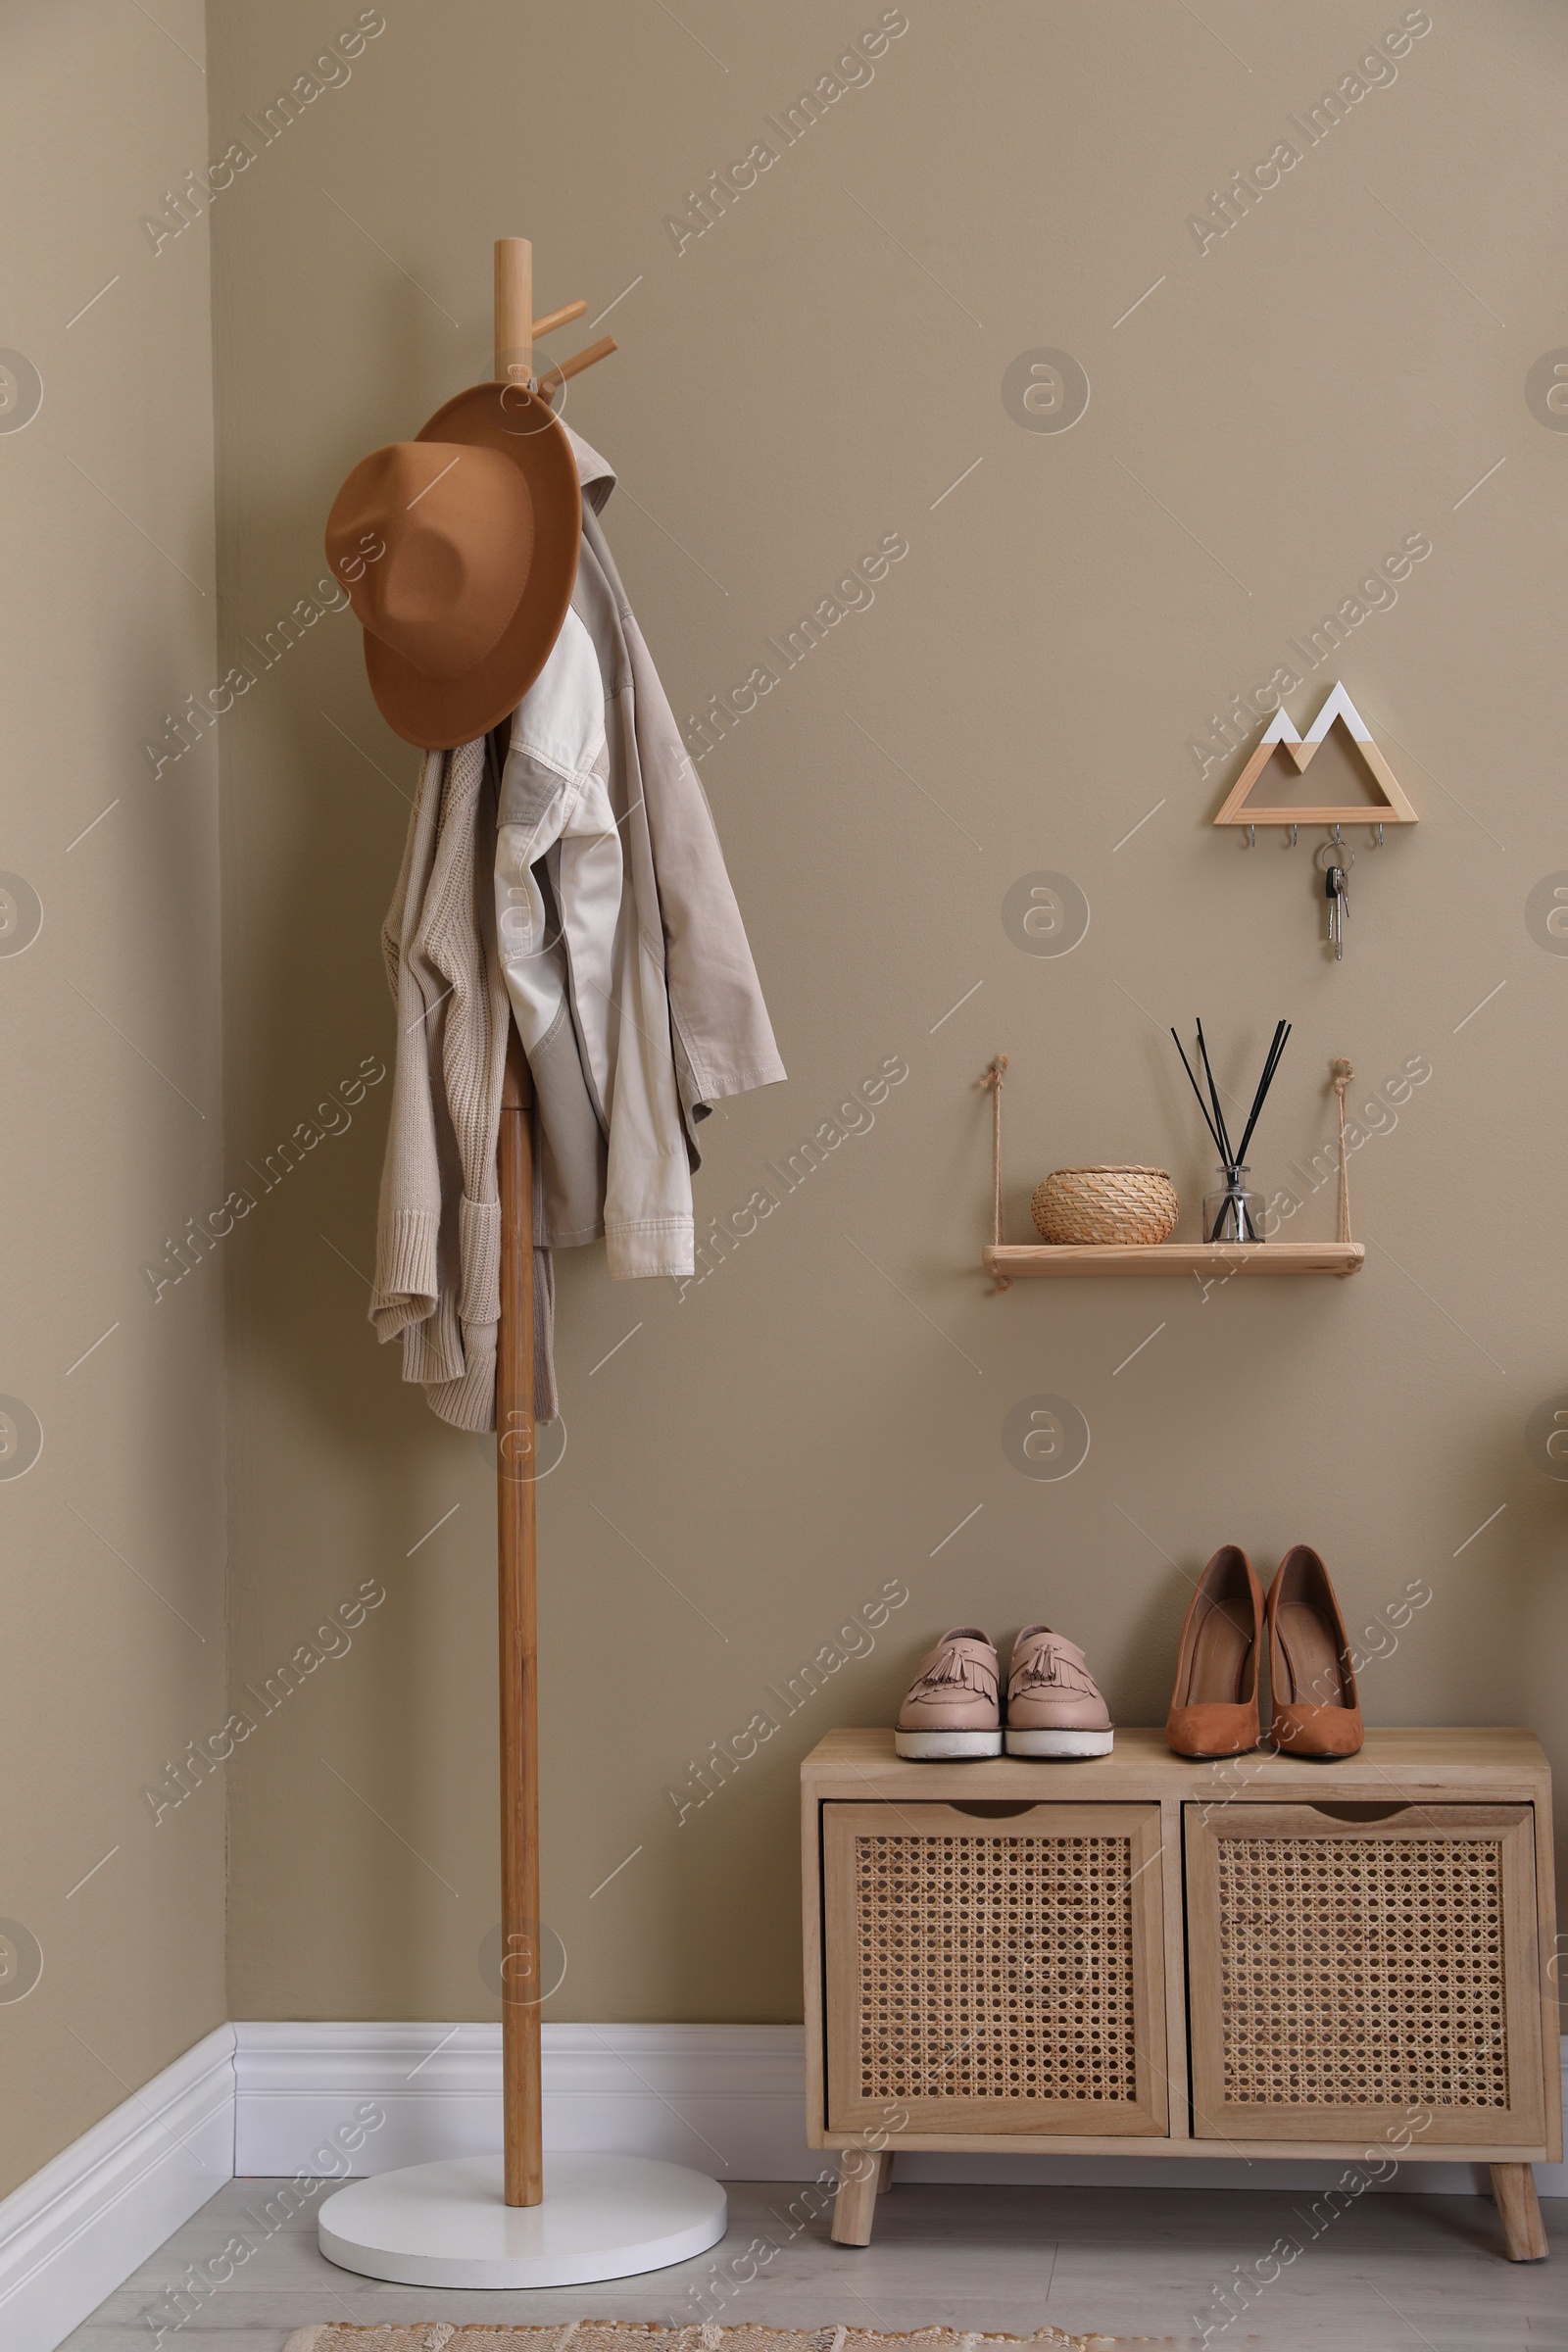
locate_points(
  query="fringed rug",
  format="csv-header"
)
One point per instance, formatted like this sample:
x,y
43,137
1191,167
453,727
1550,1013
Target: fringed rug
x,y
630,2336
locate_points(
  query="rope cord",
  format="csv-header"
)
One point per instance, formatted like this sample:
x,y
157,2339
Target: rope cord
x,y
993,1078
1341,1072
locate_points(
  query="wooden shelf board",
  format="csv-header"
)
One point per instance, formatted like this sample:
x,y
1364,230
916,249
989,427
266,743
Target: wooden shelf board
x,y
1399,1763
1175,1257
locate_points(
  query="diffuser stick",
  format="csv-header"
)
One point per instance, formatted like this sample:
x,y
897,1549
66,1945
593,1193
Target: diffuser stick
x,y
1219,1116
1196,1089
1281,1031
1257,1098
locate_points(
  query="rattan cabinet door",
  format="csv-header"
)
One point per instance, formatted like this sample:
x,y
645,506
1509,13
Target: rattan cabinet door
x,y
1352,1977
986,1975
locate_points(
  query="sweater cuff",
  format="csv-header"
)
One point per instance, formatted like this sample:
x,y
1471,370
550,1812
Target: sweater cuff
x,y
469,1403
480,1254
432,1350
406,1286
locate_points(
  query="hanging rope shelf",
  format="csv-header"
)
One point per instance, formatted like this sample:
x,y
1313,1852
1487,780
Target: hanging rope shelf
x,y
1006,1261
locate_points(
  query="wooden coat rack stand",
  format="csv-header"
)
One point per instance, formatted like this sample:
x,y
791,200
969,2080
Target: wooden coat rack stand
x,y
467,2221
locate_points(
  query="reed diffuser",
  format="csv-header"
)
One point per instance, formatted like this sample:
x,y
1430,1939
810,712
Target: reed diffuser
x,y
1234,1214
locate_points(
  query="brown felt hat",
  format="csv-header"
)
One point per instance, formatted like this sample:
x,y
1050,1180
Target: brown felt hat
x,y
458,551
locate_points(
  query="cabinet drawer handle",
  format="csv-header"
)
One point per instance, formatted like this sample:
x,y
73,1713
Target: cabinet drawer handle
x,y
993,1809
1366,1813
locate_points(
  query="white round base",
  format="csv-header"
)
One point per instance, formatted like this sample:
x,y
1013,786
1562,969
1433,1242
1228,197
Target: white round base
x,y
446,2225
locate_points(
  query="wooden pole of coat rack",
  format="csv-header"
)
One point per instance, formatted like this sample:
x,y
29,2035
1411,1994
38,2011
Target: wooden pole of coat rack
x,y
521,1957
520,1953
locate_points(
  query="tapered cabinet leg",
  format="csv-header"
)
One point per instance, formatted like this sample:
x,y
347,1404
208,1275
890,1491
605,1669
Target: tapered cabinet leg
x,y
1515,2187
884,2170
858,2174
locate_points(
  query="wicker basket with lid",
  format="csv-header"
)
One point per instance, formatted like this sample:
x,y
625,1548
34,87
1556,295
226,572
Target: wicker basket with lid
x,y
1106,1204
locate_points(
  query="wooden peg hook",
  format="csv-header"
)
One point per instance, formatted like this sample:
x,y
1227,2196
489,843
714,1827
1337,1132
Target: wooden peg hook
x,y
553,378
547,324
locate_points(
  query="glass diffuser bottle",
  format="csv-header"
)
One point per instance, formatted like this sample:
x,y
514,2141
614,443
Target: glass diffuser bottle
x,y
1234,1214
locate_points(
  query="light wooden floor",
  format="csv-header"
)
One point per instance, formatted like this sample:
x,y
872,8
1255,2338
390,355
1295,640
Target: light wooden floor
x,y
1390,2273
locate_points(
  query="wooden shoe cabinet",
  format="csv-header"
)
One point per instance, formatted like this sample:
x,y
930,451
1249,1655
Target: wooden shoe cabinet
x,y
1346,1961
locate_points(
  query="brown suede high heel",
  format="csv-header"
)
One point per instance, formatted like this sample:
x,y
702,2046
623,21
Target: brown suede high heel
x,y
1316,1709
1213,1708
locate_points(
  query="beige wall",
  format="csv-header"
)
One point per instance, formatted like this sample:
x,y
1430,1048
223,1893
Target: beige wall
x,y
112,1544
804,1428
815,370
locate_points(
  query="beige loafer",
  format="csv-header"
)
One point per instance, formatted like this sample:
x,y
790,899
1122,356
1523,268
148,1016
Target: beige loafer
x,y
1054,1703
953,1706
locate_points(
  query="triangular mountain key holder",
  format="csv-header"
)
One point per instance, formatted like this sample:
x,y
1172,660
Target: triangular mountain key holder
x,y
1333,858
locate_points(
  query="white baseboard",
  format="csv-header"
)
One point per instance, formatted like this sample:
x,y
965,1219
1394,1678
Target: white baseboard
x,y
74,2233
728,2100
282,2100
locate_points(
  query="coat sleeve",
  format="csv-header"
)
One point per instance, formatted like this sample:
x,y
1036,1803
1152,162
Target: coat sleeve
x,y
407,1223
469,1052
722,1035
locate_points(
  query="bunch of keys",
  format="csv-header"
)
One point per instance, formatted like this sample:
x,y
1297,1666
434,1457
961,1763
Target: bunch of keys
x,y
1337,891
